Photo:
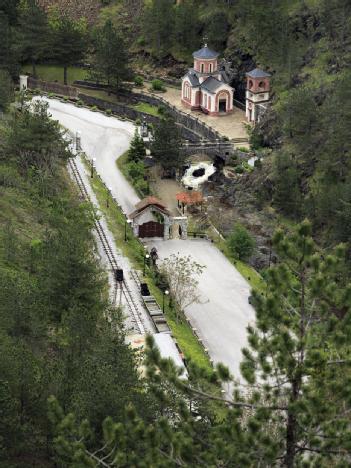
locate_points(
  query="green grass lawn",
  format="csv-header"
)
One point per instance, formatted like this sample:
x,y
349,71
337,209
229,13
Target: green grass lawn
x,y
147,108
55,72
250,274
134,250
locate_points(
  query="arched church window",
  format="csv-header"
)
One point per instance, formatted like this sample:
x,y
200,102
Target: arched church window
x,y
261,84
210,67
202,68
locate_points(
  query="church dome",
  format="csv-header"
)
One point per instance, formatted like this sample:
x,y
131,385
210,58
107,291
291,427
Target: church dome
x,y
205,53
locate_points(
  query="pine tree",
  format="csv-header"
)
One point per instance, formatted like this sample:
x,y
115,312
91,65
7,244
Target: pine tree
x,y
68,40
6,90
110,61
165,147
33,32
136,150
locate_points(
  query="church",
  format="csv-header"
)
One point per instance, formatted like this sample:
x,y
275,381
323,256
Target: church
x,y
205,87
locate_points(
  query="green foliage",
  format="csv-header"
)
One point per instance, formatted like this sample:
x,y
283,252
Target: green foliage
x,y
137,149
138,80
157,85
165,147
54,336
158,26
240,242
6,90
35,141
110,60
34,32
68,40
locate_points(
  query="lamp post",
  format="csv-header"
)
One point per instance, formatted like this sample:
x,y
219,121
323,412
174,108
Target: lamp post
x,y
108,194
92,167
147,256
78,141
163,302
128,221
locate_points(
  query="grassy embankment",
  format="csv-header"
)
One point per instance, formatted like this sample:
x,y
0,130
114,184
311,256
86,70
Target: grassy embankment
x,y
135,251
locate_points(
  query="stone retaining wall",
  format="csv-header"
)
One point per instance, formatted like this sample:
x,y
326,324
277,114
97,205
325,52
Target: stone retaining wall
x,y
133,114
191,123
51,87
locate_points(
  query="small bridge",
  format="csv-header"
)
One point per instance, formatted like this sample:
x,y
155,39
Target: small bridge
x,y
215,148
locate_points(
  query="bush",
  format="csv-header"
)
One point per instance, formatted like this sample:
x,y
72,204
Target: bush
x,y
240,242
243,149
138,81
141,186
108,111
157,85
79,103
94,108
239,169
161,110
258,163
50,95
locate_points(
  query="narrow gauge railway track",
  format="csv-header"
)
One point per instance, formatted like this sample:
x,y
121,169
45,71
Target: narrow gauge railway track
x,y
126,291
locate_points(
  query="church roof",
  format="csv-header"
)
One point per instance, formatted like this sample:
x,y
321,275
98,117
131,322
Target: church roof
x,y
211,84
258,73
205,53
193,78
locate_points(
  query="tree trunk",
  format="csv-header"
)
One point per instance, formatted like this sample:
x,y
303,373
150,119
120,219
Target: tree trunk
x,y
290,440
65,75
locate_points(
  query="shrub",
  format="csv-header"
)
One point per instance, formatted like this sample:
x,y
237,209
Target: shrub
x,y
94,108
157,85
141,186
161,110
50,95
243,149
138,81
79,103
240,242
239,169
108,111
258,163
65,98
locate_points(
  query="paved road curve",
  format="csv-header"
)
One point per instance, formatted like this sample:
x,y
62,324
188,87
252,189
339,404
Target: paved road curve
x,y
104,138
222,317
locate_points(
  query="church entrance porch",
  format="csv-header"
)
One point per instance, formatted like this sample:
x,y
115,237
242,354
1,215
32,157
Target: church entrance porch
x,y
222,105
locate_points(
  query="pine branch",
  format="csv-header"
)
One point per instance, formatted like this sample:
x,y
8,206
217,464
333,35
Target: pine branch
x,y
238,404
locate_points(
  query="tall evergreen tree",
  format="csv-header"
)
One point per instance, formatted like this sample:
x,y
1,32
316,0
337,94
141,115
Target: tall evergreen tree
x,y
158,25
166,146
33,32
110,62
68,40
137,149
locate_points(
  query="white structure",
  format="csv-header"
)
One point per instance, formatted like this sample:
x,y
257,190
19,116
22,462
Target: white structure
x,y
205,87
23,82
257,94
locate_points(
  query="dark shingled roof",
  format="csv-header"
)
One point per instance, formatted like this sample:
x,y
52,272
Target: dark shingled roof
x,y
205,53
211,84
258,73
194,80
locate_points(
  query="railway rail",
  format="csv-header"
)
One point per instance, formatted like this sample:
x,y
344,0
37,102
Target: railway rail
x,y
121,286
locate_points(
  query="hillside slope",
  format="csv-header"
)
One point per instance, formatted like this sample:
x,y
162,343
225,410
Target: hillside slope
x,y
88,9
